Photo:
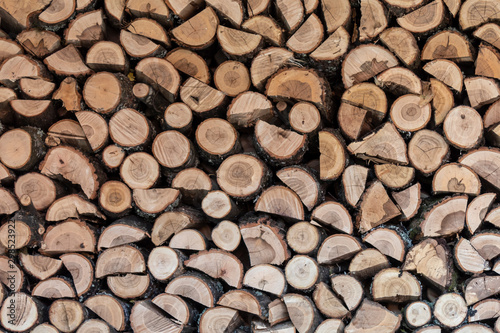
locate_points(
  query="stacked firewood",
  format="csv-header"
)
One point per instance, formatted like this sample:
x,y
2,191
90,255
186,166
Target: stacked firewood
x,y
249,166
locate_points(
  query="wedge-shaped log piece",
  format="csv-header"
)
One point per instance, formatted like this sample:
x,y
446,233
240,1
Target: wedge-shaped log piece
x,y
69,236
218,264
108,308
156,200
189,63
373,19
349,289
303,182
81,270
467,259
160,74
387,241
485,162
333,214
147,317
333,157
39,43
267,278
67,62
300,84
382,320
399,81
481,91
354,183
196,287
336,13
53,288
327,303
20,66
484,310
266,63
367,263
448,44
264,239
392,285
107,56
172,222
304,315
201,98
473,13
279,146
156,9
431,259
478,288
73,166
86,29
246,300
456,178
476,211
291,13
176,307
130,229
403,44
442,102
221,317
487,244
72,206
424,19
337,248
41,267
120,260
488,62
232,10
199,31
248,108
490,33
16,15
446,218
376,208
266,27
308,37
385,145
333,48
151,29
447,72
364,62
281,201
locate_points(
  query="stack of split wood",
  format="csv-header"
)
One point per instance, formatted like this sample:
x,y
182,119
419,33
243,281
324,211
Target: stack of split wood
x,y
249,166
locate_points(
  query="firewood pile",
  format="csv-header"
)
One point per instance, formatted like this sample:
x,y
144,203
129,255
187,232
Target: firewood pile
x,y
267,166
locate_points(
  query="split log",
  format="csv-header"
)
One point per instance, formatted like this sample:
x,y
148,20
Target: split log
x,y
40,267
267,278
447,44
72,206
336,14
94,127
393,286
424,19
476,211
67,315
468,259
481,91
67,62
308,37
456,178
367,263
335,215
199,288
383,316
69,236
86,29
39,43
82,271
403,44
147,317
399,81
167,83
189,239
69,95
225,318
266,63
107,56
469,17
265,26
373,19
376,208
304,315
199,31
173,221
447,72
109,309
427,150
327,303
387,241
204,100
194,184
489,33
249,107
337,248
189,63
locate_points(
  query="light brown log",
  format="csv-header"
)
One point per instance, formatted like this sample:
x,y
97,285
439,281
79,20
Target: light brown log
x,y
268,62
425,18
267,278
231,10
468,259
417,314
20,66
161,75
388,241
279,200
393,286
303,272
376,208
373,19
381,317
41,267
481,91
337,248
246,300
403,44
94,127
249,107
444,313
486,244
447,44
107,56
307,37
199,288
336,14
17,15
384,145
82,271
477,210
148,318
442,102
456,178
431,259
224,318
199,31
399,81
107,93
29,312
69,236
291,13
204,100
190,63
408,115
39,43
463,127
66,315
110,309
304,315
53,288
333,157
278,312
174,151
72,206
264,26
367,263
86,29
333,214
69,95
67,62
155,9
427,150
490,33
21,148
138,47
469,17
172,222
184,8
9,204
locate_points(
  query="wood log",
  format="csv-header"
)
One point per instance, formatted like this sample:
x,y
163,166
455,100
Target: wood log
x,y
267,278
367,263
456,178
337,248
454,317
265,26
107,56
469,19
481,91
28,312
447,44
147,317
110,309
68,93
476,211
304,315
67,315
384,317
199,31
427,150
335,215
